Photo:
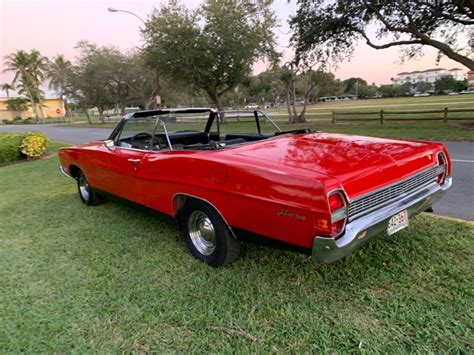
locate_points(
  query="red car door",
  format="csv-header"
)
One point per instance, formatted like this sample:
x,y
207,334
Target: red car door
x,y
118,172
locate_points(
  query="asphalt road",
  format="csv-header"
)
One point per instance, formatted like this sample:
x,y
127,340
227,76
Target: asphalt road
x,y
458,201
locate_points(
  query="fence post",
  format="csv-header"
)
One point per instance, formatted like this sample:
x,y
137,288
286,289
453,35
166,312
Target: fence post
x,y
333,117
381,116
445,115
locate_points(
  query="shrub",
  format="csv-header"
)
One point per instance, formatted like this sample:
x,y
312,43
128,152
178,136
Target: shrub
x,y
14,146
34,144
10,146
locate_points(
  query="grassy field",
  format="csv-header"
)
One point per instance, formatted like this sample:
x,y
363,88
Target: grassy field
x,y
437,131
114,278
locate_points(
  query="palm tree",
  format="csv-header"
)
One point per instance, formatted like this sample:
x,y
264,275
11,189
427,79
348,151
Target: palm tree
x,y
7,88
29,69
60,72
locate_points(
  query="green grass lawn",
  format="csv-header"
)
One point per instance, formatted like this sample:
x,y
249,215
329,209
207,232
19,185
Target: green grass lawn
x,y
114,278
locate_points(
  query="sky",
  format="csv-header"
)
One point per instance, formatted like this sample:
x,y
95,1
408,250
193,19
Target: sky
x,y
55,26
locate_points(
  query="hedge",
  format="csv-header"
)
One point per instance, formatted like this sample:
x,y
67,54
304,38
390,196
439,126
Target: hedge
x,y
15,146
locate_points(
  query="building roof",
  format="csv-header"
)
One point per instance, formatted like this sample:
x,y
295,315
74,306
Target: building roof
x,y
427,71
4,98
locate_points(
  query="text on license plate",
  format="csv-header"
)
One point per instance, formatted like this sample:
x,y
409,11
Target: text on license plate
x,y
397,222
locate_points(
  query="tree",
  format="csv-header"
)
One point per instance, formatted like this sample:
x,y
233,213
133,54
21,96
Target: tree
x,y
445,84
461,85
351,85
212,48
7,88
327,85
60,72
17,105
29,69
402,90
92,78
303,76
423,86
335,26
395,90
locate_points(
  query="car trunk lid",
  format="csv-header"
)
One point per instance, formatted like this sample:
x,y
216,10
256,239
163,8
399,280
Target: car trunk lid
x,y
361,164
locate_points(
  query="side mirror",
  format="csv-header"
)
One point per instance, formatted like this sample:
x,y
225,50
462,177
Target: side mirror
x,y
109,144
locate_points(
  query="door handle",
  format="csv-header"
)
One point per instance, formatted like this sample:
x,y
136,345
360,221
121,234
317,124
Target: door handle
x,y
135,161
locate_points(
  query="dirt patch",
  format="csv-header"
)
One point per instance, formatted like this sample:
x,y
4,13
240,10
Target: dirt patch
x,y
46,155
467,125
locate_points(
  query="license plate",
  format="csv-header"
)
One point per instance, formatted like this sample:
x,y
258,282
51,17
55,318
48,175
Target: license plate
x,y
397,222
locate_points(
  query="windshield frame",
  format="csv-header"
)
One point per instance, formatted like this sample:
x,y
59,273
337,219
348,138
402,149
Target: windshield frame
x,y
255,114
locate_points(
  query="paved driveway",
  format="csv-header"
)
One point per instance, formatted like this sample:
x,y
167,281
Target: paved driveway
x,y
458,201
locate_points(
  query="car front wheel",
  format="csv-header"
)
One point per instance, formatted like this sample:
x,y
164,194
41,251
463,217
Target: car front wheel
x,y
207,236
86,193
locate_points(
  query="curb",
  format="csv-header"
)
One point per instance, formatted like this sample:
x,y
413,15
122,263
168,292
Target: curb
x,y
430,214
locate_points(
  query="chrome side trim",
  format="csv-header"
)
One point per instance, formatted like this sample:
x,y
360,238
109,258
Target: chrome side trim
x,y
361,230
204,200
64,172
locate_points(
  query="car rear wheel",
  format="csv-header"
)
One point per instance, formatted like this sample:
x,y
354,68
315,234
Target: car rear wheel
x,y
86,193
207,236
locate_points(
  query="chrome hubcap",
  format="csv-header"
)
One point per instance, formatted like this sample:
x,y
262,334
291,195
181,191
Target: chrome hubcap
x,y
84,187
202,233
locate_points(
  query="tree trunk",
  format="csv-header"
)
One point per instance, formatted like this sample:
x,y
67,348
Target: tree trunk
x,y
41,111
288,106
216,99
158,90
101,114
68,112
122,109
301,118
32,103
293,97
87,115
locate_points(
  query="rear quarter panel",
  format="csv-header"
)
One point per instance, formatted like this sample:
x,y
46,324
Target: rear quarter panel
x,y
269,200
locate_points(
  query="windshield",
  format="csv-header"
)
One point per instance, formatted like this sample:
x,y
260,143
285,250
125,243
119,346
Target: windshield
x,y
181,122
255,122
194,130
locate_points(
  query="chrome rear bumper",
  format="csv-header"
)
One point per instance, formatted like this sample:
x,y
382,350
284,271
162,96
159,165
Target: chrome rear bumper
x,y
363,229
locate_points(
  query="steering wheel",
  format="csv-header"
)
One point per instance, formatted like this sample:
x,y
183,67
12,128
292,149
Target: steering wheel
x,y
147,137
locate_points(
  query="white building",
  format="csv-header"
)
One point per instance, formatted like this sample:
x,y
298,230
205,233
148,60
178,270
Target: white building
x,y
429,75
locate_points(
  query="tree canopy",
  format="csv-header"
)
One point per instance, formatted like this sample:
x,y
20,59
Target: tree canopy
x,y
213,47
333,27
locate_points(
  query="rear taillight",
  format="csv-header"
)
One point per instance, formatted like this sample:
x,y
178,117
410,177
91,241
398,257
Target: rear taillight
x,y
338,210
442,169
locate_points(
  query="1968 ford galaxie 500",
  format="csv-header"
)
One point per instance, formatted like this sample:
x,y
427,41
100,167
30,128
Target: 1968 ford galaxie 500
x,y
242,177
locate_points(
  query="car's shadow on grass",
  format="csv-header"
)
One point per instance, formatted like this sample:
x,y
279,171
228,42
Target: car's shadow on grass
x,y
159,235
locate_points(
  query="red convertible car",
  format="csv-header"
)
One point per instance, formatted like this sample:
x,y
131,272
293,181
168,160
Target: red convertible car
x,y
321,193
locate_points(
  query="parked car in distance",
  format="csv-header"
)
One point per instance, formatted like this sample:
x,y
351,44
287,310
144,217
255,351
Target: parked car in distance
x,y
252,107
241,178
468,91
422,94
453,93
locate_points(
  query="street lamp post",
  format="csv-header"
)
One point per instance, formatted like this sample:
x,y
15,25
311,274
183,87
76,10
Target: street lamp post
x,y
158,88
111,9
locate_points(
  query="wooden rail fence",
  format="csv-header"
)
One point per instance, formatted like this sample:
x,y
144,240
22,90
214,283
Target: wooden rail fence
x,y
381,115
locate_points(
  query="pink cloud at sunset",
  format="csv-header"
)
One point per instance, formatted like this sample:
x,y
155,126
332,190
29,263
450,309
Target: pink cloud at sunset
x,y
54,27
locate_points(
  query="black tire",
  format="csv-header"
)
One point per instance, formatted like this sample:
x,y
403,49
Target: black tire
x,y
86,192
198,221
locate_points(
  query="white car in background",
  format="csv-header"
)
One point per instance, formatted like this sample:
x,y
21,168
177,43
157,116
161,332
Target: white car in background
x,y
424,94
252,107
